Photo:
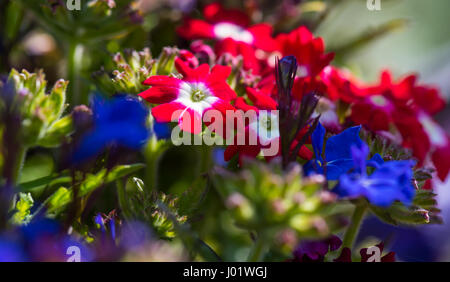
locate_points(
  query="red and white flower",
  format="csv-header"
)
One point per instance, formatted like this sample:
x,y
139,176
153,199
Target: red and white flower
x,y
231,29
188,99
220,24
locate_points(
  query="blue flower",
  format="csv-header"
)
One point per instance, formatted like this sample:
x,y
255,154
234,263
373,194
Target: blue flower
x,y
391,181
161,130
338,156
11,251
118,121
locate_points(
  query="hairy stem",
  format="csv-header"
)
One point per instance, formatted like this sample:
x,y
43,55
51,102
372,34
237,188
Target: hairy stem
x,y
353,229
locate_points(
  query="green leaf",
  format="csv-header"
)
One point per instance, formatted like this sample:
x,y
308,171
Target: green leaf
x,y
36,166
50,181
14,15
53,104
56,132
63,196
383,214
190,200
123,170
59,199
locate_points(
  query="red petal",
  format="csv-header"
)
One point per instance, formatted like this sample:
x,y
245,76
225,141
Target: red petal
x,y
216,13
220,89
262,37
230,152
441,160
165,112
305,153
191,74
195,29
160,94
260,100
191,121
220,72
242,105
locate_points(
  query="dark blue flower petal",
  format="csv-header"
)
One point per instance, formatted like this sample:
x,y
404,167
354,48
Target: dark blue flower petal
x,y
376,161
119,121
317,140
218,156
11,251
336,168
339,146
39,228
161,130
359,155
99,220
313,167
390,182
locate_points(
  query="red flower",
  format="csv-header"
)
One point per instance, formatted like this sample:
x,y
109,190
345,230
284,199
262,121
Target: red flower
x,y
198,91
230,28
235,49
260,133
221,23
340,85
308,51
265,129
404,104
189,58
406,90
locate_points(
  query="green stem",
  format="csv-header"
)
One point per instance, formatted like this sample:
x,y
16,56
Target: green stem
x,y
20,159
74,67
258,250
353,229
123,200
153,151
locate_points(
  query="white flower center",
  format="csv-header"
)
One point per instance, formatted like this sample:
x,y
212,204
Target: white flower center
x,y
302,71
196,96
235,32
266,126
379,100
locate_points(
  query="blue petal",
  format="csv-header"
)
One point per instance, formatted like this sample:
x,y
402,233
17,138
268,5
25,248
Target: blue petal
x,y
218,156
359,155
391,182
11,251
376,161
317,140
339,146
312,167
338,167
161,130
120,120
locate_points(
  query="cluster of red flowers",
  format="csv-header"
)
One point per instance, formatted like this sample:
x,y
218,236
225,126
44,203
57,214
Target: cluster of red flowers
x,y
403,108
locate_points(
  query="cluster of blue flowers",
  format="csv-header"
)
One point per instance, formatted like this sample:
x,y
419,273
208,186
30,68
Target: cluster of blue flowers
x,y
345,159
